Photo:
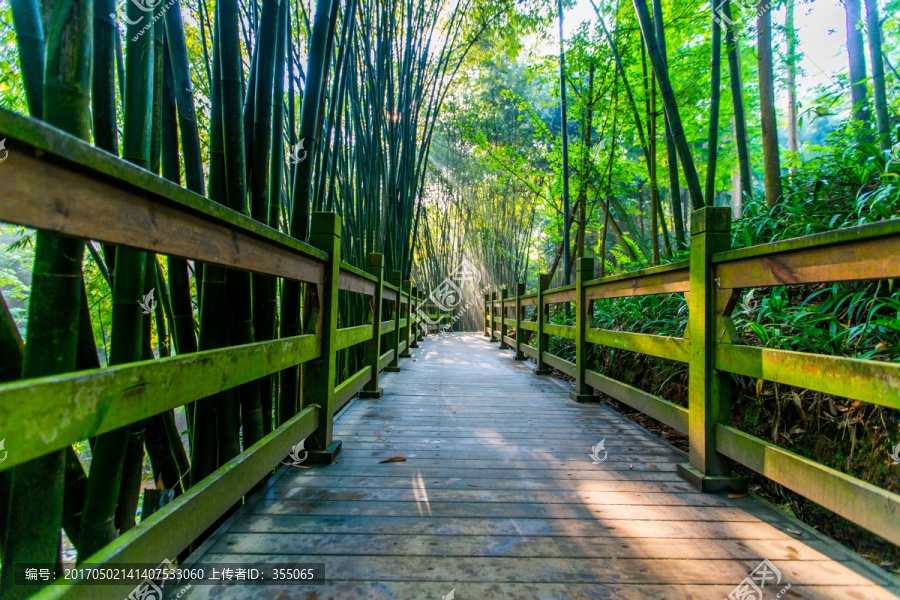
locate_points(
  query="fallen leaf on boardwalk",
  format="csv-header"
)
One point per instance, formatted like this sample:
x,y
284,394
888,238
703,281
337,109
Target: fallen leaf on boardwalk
x,y
392,459
794,532
744,495
293,465
630,467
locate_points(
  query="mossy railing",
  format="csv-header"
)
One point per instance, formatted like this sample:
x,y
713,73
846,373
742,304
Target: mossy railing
x,y
53,181
712,281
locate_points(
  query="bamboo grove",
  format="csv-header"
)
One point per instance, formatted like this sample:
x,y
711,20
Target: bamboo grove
x,y
672,106
274,109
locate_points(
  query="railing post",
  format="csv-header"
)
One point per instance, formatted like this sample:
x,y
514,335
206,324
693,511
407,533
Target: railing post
x,y
394,337
709,392
520,291
372,348
504,330
405,332
584,271
413,311
487,314
421,328
543,340
493,316
319,375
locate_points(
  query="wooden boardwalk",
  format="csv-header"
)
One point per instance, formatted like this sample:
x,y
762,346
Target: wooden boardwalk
x,y
499,499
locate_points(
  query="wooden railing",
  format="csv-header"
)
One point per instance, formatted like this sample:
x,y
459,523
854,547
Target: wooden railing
x,y
434,320
55,182
712,281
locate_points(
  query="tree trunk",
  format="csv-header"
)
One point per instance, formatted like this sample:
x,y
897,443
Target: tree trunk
x,y
51,348
712,140
882,119
737,98
857,58
793,137
670,104
567,262
771,158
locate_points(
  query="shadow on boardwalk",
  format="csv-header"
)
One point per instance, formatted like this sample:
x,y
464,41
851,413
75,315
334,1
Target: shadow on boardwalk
x,y
499,498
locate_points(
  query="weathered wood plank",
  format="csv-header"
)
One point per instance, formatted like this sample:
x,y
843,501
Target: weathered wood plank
x,y
870,506
851,261
41,415
170,530
352,279
349,388
109,200
350,336
563,294
668,279
872,381
565,331
671,348
662,410
558,363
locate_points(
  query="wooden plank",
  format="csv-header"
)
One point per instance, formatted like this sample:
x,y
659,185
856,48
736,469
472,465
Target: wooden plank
x,y
529,350
350,336
869,231
174,527
672,279
388,294
565,331
530,326
873,258
350,386
867,505
351,281
109,200
385,359
563,294
498,545
872,381
672,348
509,340
51,413
663,411
529,300
558,363
388,326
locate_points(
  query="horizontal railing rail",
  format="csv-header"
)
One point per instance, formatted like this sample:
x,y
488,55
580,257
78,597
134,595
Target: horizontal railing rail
x,y
710,281
57,183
